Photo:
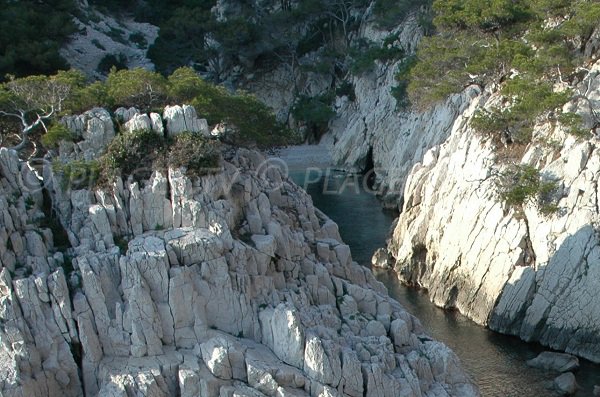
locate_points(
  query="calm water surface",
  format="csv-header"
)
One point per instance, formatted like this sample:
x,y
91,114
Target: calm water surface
x,y
496,362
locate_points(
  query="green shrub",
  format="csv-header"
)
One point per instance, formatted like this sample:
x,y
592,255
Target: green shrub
x,y
78,174
90,96
135,153
315,112
573,123
56,133
365,55
199,155
139,39
32,35
399,92
346,88
136,87
388,13
109,61
522,184
185,85
254,122
530,100
98,44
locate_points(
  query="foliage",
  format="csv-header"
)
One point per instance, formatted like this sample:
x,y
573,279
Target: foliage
x,y
389,13
139,153
399,92
109,61
315,112
181,40
32,34
139,39
56,133
77,174
40,93
185,85
199,155
133,153
136,87
87,97
573,123
522,184
253,121
505,42
365,54
346,88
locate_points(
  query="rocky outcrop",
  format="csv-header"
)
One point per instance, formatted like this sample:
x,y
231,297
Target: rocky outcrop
x,y
565,384
228,284
92,131
519,272
559,362
371,131
179,119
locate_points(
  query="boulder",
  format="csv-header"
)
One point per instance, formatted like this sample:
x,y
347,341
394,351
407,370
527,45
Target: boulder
x,y
123,115
139,122
565,384
184,119
381,259
596,391
551,361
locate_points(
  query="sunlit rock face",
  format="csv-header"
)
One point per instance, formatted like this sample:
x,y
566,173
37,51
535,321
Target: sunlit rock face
x,y
226,284
518,271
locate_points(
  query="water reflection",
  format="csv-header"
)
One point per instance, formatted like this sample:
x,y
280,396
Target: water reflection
x,y
496,362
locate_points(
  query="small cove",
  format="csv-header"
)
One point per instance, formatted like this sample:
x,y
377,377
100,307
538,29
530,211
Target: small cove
x,y
496,362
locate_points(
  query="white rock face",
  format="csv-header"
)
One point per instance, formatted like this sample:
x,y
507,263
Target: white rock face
x,y
187,303
529,274
94,128
138,122
180,119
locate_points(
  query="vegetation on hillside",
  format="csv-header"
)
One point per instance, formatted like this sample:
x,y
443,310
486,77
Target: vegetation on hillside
x,y
32,34
525,46
529,51
38,102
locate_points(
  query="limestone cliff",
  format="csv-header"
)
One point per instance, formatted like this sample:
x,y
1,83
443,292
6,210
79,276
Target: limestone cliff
x,y
518,272
230,284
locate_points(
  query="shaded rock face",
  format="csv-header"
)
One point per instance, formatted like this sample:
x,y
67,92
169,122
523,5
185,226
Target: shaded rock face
x,y
522,273
229,284
372,131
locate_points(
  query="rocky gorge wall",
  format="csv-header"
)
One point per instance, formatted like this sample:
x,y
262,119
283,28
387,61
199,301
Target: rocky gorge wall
x,y
230,284
519,272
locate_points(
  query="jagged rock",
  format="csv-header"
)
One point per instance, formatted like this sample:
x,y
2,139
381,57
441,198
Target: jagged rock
x,y
184,118
123,115
530,281
139,122
157,124
559,362
95,128
566,384
194,245
596,390
199,308
381,259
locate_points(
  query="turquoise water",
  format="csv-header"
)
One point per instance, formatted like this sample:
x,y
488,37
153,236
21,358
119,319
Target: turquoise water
x,y
496,362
